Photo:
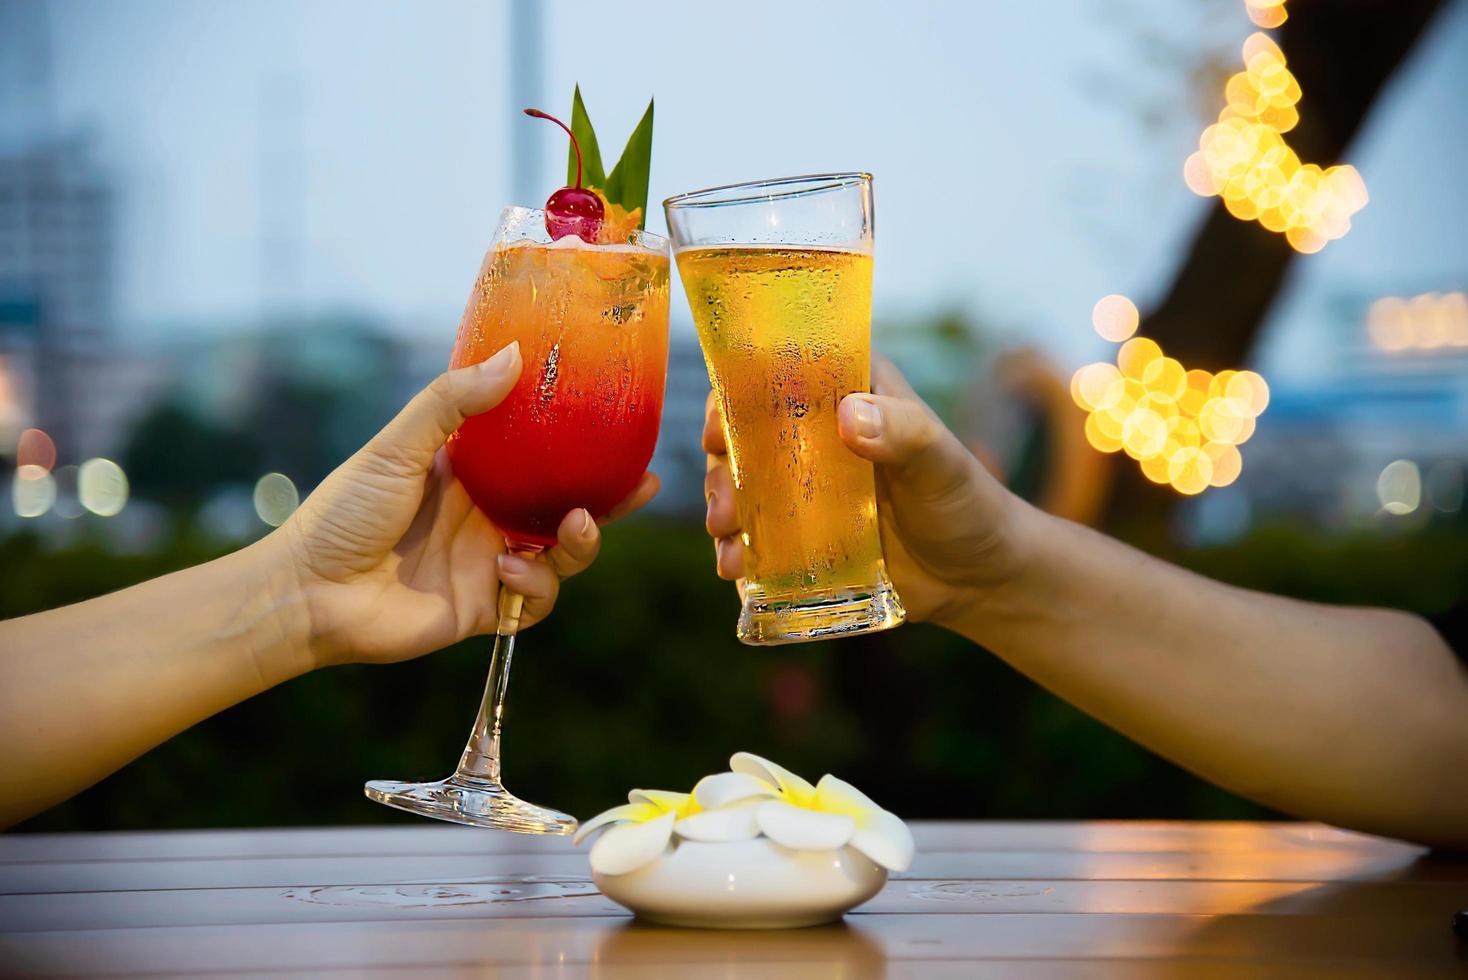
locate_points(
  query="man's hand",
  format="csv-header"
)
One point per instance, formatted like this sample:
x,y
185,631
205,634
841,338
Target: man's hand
x,y
947,524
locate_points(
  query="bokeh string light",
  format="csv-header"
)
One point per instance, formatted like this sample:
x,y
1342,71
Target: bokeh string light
x,y
1243,157
1428,321
1399,487
40,487
67,504
1267,13
35,448
276,498
1115,318
1182,426
33,491
102,487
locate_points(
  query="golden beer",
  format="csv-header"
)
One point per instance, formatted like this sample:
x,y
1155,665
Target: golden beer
x,y
786,334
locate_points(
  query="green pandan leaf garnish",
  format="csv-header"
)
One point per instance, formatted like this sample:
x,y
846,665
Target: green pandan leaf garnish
x,y
592,171
626,185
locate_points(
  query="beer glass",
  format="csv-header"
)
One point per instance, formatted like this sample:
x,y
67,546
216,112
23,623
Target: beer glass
x,y
779,278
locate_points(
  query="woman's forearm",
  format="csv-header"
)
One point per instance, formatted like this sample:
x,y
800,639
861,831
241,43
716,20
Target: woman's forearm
x,y
1354,716
87,688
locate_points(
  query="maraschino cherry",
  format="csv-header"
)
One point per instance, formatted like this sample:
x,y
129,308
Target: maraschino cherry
x,y
571,210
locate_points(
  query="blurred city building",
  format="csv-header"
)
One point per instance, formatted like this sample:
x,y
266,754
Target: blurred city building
x,y
56,236
1335,426
56,283
58,369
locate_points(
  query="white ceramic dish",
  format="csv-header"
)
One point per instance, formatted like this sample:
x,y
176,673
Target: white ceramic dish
x,y
747,884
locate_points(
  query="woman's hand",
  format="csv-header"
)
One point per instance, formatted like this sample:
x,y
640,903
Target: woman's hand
x,y
387,560
393,558
948,527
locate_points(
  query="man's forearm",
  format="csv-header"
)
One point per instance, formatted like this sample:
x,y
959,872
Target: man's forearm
x,y
87,688
1356,716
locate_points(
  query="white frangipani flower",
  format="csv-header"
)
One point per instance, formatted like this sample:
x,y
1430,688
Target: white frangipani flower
x,y
826,816
793,788
727,788
643,826
756,797
879,834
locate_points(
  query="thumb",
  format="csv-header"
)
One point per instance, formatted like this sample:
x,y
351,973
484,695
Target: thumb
x,y
907,439
435,412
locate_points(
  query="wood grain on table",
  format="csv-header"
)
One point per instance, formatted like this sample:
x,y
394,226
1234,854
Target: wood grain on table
x,y
1031,899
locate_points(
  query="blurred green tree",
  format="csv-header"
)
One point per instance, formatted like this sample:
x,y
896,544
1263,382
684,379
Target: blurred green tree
x,y
637,680
176,456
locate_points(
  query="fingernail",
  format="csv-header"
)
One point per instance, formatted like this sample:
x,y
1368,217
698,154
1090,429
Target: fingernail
x,y
502,360
587,524
713,499
867,418
513,564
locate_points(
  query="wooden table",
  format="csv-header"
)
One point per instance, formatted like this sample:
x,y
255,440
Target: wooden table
x,y
983,899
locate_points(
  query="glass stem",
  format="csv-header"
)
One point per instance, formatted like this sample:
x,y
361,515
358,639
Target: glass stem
x,y
481,758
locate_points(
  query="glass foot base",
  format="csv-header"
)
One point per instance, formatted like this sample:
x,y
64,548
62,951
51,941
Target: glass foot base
x,y
473,801
819,618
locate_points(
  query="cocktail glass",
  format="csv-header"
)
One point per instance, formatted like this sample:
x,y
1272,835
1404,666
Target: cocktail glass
x,y
779,277
578,430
